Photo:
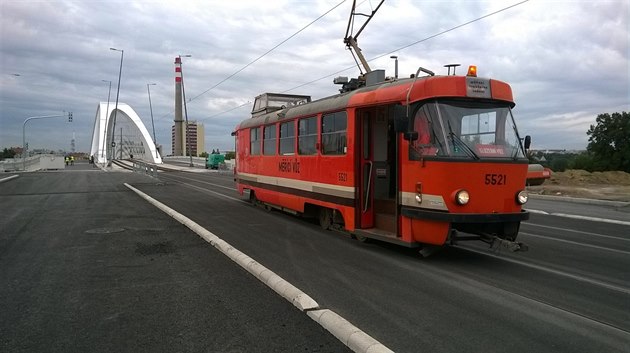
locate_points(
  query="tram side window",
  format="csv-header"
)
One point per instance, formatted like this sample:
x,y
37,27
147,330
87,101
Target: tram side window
x,y
307,136
269,140
254,148
334,133
287,138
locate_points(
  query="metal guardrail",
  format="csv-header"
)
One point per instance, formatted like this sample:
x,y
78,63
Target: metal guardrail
x,y
196,160
145,168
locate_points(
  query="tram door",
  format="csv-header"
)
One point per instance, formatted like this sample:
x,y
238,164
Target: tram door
x,y
366,165
377,164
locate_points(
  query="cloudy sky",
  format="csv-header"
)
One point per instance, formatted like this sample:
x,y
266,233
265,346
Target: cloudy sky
x,y
566,61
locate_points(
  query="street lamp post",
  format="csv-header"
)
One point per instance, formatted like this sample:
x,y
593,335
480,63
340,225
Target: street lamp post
x,y
395,65
122,53
185,109
106,116
152,124
24,132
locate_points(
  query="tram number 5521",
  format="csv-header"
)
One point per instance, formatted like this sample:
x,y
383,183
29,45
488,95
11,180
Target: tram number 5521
x,y
496,179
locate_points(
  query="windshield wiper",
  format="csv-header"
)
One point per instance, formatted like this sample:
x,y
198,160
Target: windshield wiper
x,y
434,137
455,138
515,155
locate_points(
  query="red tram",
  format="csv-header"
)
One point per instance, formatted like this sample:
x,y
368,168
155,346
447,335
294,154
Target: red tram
x,y
408,161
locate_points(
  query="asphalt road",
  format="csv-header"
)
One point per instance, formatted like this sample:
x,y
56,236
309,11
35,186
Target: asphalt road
x,y
88,266
609,210
569,293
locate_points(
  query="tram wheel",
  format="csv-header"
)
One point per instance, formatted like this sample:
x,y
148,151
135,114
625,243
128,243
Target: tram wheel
x,y
252,198
325,218
362,238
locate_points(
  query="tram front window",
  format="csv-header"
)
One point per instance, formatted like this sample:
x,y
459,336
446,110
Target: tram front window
x,y
465,129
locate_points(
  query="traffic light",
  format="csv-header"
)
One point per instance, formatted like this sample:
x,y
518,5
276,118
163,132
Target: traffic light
x,y
70,117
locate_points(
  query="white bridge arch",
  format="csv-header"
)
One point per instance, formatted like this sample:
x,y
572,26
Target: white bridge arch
x,y
131,136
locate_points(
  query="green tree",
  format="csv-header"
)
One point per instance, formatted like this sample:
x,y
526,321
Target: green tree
x,y
7,153
582,161
230,155
609,142
559,164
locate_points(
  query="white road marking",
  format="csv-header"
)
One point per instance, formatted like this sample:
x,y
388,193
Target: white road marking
x,y
576,231
9,178
576,243
537,211
594,219
204,182
586,218
556,272
346,332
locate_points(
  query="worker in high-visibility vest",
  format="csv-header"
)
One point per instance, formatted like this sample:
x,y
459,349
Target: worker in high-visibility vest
x,y
71,160
67,159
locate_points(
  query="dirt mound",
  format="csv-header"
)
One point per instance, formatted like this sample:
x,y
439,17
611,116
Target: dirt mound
x,y
582,177
580,183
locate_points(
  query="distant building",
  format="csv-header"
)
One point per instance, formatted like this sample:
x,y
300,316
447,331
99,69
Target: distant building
x,y
195,139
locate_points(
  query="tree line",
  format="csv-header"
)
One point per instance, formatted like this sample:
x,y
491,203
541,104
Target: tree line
x,y
608,148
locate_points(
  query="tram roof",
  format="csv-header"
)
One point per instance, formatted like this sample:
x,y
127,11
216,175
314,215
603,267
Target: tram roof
x,y
386,92
323,105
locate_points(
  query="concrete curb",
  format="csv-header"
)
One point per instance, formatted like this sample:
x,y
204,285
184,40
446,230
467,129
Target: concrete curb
x,y
347,333
9,178
295,296
580,200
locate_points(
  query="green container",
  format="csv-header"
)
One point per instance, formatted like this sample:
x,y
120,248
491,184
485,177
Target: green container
x,y
213,161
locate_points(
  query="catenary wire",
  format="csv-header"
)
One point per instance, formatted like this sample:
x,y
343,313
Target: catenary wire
x,y
412,44
267,52
388,53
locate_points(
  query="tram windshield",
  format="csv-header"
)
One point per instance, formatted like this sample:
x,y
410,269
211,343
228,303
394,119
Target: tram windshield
x,y
464,130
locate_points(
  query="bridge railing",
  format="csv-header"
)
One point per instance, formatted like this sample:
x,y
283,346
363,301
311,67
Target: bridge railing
x,y
145,168
33,163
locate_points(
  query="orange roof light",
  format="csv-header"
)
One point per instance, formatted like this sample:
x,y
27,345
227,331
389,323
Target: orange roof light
x,y
472,71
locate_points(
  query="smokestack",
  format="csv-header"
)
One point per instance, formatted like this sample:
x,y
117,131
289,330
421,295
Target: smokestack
x,y
179,121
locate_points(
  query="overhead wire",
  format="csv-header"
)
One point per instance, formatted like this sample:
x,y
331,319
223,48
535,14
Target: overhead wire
x,y
260,57
267,52
412,44
391,52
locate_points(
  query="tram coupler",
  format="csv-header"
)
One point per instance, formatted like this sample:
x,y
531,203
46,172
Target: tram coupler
x,y
494,241
510,245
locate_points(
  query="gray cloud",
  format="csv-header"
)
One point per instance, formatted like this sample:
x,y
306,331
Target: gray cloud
x,y
567,61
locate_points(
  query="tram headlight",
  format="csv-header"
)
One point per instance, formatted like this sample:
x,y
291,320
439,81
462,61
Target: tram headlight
x,y
419,192
522,197
462,197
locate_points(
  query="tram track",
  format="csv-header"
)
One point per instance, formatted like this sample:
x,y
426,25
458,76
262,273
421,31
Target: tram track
x,y
536,301
576,243
179,179
547,269
580,302
577,231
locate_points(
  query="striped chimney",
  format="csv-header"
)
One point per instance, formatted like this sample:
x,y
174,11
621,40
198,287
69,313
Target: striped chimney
x,y
178,142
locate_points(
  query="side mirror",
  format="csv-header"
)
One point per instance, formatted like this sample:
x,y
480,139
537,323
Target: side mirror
x,y
528,142
401,121
410,135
